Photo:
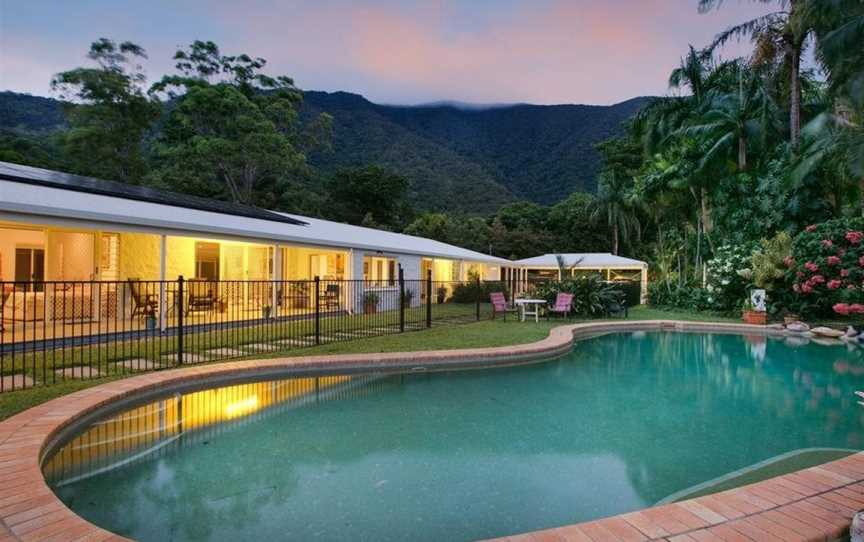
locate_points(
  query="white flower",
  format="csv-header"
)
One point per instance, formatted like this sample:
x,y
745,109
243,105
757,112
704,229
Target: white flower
x,y
725,282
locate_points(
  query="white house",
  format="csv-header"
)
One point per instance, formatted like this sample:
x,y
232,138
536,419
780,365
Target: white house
x,y
74,248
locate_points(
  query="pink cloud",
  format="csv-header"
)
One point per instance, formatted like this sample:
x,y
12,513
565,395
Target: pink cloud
x,y
543,51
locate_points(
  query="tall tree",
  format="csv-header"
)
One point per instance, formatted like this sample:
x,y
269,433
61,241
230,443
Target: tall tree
x,y
370,195
108,112
779,37
734,121
233,132
612,205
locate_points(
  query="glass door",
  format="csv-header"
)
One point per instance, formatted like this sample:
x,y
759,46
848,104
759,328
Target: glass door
x,y
30,269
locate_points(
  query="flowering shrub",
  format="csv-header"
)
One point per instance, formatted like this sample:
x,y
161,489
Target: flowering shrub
x,y
827,267
728,275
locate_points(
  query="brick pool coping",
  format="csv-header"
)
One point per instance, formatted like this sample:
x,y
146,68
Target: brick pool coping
x,y
811,504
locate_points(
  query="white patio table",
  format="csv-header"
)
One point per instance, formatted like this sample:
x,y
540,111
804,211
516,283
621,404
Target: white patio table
x,y
529,307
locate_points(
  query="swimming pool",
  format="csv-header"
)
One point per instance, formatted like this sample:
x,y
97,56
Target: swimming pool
x,y
624,421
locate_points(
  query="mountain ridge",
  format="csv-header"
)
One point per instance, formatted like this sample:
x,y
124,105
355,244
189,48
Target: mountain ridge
x,y
457,157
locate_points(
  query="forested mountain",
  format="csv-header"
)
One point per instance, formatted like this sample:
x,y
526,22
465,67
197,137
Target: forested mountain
x,y
456,157
29,113
488,155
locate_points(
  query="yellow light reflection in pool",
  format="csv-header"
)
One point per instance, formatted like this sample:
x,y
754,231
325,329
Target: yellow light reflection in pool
x,y
241,407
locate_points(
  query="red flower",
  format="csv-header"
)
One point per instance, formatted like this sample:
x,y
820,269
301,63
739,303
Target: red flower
x,y
841,308
833,260
811,227
856,308
827,243
817,279
799,274
812,267
806,288
854,237
789,261
844,272
834,284
861,261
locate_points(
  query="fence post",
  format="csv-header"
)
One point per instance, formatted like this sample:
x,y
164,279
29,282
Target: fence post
x,y
401,300
428,298
478,297
317,309
180,320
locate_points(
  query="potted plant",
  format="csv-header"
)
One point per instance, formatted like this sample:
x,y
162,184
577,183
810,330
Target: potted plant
x,y
441,292
149,316
752,316
407,297
370,303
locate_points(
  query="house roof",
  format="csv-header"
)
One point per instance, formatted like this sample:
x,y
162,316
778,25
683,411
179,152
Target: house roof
x,y
337,232
79,183
588,260
26,191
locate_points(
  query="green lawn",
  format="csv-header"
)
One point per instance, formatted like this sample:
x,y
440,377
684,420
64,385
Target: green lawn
x,y
485,333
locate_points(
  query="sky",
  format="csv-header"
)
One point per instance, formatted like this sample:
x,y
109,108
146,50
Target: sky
x,y
396,52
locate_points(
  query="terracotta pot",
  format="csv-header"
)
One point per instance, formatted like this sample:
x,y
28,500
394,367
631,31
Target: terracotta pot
x,y
757,318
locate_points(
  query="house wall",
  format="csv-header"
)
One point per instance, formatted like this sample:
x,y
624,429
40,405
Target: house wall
x,y
139,256
70,255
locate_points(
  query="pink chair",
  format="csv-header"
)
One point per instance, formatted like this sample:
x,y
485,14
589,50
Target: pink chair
x,y
499,304
562,306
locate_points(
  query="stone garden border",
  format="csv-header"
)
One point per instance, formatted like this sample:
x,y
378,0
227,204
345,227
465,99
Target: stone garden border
x,y
811,504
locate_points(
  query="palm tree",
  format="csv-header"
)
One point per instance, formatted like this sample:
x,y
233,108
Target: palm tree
x,y
838,133
693,72
779,38
732,121
612,202
565,268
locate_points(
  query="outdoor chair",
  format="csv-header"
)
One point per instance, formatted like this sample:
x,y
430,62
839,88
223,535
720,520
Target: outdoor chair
x,y
202,295
142,302
499,305
562,306
330,297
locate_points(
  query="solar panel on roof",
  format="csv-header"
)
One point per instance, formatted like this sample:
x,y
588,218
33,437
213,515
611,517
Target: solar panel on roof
x,y
78,183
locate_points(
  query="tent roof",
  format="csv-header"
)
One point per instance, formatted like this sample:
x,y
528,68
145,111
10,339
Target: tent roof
x,y
588,260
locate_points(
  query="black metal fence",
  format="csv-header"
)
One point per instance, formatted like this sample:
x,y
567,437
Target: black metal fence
x,y
56,330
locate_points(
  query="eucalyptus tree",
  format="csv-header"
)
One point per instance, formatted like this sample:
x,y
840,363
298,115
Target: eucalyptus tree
x,y
108,112
232,131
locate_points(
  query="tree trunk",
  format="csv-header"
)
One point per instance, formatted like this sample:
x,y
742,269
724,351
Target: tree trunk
x,y
795,95
742,153
615,238
707,216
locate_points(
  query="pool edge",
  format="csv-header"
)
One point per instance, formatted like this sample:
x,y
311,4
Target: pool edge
x,y
811,504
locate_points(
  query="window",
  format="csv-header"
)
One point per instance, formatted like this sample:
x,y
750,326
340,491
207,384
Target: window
x,y
207,261
380,271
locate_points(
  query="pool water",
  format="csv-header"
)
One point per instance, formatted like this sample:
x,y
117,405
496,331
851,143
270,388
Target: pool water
x,y
622,422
